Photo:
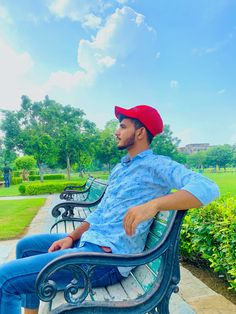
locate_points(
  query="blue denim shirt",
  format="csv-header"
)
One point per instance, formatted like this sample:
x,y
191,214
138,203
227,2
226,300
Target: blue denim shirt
x,y
133,182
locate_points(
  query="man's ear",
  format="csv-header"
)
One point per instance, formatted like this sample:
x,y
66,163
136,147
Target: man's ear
x,y
141,133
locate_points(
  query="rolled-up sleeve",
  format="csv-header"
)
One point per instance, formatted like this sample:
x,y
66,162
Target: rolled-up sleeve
x,y
177,176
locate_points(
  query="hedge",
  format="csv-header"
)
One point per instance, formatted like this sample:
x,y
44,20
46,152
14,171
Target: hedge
x,y
16,180
45,188
47,177
209,234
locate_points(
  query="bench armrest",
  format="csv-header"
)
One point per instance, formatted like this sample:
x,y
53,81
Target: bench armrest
x,y
167,247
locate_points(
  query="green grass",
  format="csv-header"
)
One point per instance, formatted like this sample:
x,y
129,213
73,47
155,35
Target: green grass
x,y
225,180
15,216
13,190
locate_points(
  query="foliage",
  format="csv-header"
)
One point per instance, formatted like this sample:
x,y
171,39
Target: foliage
x,y
47,177
197,160
25,163
16,180
107,152
220,156
165,144
16,216
209,234
45,188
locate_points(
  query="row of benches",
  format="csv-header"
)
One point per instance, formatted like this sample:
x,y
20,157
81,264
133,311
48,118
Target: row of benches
x,y
148,287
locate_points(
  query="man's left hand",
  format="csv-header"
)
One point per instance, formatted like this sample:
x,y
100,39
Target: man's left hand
x,y
136,215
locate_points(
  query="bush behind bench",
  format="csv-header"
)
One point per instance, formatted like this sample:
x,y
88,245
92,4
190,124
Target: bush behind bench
x,y
46,187
47,177
209,234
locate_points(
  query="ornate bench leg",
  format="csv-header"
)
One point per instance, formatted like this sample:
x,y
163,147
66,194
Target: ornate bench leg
x,y
163,307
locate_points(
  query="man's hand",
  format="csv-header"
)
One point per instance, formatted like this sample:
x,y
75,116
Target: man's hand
x,y
136,215
62,244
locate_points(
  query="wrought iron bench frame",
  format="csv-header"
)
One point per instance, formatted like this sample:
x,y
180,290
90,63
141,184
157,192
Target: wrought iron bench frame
x,y
66,210
155,300
71,191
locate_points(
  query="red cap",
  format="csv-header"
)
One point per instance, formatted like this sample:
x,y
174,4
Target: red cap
x,y
147,115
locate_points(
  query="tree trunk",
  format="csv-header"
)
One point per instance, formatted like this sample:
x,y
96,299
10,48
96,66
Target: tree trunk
x,y
68,167
40,172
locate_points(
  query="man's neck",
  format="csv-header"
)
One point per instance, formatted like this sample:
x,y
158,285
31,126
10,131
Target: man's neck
x,y
135,150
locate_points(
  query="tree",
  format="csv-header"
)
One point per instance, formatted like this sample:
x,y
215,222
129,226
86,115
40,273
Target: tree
x,y
221,156
107,152
50,132
25,163
197,160
166,144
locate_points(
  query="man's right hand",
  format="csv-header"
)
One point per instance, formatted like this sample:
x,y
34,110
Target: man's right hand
x,y
62,244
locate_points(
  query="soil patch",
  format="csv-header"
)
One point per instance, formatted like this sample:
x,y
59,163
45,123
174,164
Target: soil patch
x,y
211,279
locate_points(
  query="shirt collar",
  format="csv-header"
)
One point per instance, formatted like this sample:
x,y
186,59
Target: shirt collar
x,y
125,161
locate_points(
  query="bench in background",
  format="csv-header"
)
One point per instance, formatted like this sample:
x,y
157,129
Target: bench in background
x,y
69,214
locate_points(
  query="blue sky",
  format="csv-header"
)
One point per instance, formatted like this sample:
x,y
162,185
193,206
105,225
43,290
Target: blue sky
x,y
178,56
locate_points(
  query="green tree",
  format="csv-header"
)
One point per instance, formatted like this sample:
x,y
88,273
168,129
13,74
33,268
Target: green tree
x,y
166,144
107,152
221,156
25,163
197,160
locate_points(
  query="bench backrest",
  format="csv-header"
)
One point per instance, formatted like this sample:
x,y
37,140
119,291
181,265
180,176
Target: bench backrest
x,y
96,190
146,275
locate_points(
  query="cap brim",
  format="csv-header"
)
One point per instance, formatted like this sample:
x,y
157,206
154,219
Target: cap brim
x,y
124,112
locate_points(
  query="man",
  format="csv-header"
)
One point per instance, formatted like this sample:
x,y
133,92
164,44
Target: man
x,y
6,175
138,188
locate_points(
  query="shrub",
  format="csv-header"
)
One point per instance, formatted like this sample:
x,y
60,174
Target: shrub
x,y
22,189
16,180
47,177
45,188
209,234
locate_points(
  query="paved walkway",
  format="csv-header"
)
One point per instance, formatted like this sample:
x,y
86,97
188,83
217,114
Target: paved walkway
x,y
194,296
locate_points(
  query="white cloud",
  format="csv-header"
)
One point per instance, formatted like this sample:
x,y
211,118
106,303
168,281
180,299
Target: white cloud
x,y
92,21
4,14
203,51
104,50
174,84
85,12
107,61
15,68
158,54
122,1
221,91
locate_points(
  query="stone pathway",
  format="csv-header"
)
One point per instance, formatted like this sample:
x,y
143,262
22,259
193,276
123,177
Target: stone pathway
x,y
194,296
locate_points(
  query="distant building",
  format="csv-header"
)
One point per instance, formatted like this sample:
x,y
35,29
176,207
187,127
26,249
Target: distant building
x,y
194,148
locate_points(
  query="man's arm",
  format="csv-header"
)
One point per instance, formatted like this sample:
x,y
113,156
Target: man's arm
x,y
179,200
67,242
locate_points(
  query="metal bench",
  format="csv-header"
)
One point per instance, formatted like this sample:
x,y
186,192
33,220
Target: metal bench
x,y
77,192
69,214
146,290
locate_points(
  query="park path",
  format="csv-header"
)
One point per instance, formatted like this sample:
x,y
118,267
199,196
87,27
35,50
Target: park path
x,y
193,297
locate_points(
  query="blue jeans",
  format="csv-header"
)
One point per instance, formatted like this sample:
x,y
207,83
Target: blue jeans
x,y
6,178
17,278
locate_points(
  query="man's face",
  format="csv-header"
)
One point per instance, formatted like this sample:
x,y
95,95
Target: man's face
x,y
125,134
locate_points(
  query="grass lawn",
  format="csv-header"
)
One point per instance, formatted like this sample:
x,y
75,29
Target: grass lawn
x,y
225,180
16,215
13,190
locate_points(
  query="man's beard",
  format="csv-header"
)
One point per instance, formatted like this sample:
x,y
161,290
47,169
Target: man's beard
x,y
128,143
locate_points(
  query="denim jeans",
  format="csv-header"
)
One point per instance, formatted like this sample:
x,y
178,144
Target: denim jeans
x,y
6,178
17,278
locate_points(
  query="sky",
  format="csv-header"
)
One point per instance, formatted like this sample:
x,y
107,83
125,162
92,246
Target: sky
x,y
177,56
